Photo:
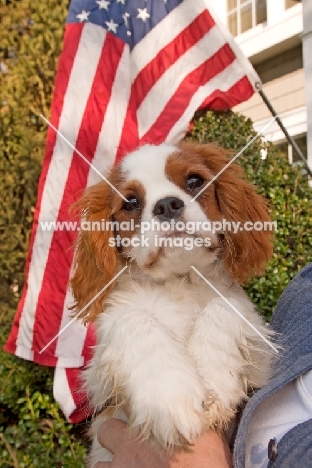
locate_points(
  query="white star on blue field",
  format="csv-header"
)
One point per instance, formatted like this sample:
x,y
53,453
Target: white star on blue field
x,y
130,20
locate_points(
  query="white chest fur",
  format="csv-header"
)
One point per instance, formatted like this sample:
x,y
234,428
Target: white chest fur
x,y
176,355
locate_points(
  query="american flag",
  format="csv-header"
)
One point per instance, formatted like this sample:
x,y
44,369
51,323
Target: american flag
x,y
131,71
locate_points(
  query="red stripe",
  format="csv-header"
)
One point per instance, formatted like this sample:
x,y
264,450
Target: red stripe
x,y
83,409
90,340
80,398
54,286
152,72
129,139
239,92
66,60
178,103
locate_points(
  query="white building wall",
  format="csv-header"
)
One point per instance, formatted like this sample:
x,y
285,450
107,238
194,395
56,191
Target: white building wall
x,y
275,10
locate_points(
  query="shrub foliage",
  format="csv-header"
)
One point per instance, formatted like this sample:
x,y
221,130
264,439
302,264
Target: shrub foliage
x,y
33,431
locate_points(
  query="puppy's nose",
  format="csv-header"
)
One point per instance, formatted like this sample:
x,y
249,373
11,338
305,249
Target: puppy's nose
x,y
168,208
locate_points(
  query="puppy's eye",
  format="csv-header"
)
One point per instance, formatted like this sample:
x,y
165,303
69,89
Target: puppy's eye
x,y
132,204
194,181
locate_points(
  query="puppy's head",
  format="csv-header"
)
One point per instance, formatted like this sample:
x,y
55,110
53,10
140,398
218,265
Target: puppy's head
x,y
182,203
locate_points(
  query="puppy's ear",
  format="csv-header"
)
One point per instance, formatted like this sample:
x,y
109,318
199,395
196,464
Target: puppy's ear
x,y
95,261
246,252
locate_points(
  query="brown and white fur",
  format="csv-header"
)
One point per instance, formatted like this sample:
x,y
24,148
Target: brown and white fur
x,y
172,358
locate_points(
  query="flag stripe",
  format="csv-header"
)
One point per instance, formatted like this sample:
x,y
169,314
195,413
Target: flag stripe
x,y
227,88
180,101
86,143
71,342
62,391
169,82
169,55
83,409
130,136
221,98
19,342
106,150
88,52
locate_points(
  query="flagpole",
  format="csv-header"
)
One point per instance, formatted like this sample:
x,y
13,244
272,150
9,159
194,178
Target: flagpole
x,y
282,127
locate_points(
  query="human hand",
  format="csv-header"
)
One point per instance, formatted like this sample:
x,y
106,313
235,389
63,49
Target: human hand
x,y
210,450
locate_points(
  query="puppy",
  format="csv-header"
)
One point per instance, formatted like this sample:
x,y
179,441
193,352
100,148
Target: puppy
x,y
172,357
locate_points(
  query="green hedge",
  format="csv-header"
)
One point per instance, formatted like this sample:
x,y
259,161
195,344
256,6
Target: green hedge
x,y
33,431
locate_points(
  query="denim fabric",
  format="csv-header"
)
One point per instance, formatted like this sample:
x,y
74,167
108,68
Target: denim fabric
x,y
292,321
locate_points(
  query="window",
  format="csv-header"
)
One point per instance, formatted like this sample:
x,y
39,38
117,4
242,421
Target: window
x,y
290,3
292,155
245,14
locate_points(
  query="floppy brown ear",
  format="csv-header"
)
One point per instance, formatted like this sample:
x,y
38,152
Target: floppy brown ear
x,y
95,261
246,252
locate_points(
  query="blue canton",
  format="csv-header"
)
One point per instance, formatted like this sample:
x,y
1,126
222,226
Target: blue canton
x,y
130,20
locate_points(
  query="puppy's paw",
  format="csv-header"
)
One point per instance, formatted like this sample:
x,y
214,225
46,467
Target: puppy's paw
x,y
217,415
171,411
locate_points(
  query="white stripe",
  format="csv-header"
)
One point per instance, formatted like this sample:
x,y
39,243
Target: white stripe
x,y
164,33
70,344
223,82
166,86
75,100
62,393
110,134
243,60
24,352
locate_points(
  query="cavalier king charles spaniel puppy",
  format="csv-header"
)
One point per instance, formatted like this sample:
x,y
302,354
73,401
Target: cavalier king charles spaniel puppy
x,y
172,357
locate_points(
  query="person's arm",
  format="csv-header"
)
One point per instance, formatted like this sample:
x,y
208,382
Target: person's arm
x,y
209,451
